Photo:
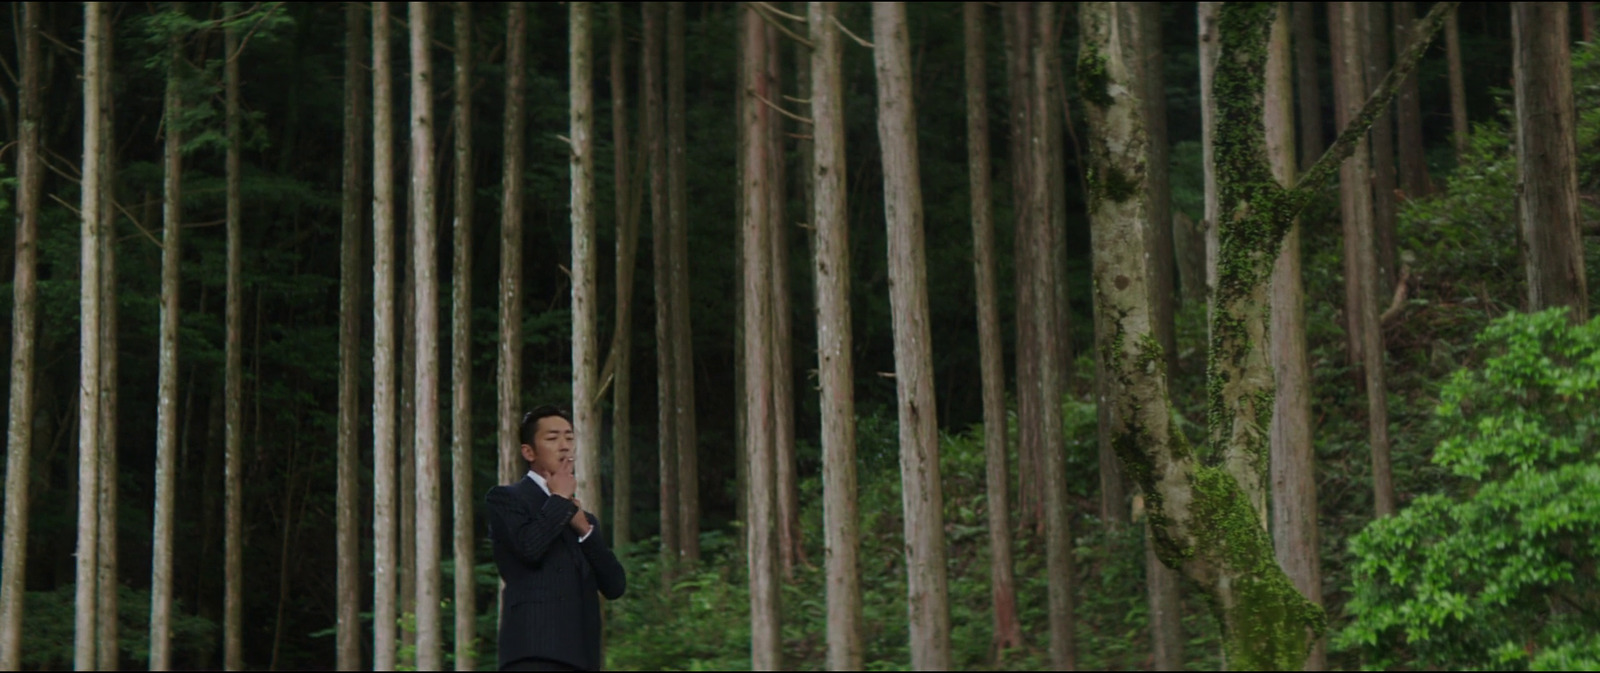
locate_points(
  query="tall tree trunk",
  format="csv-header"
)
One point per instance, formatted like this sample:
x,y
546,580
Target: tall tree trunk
x,y
1293,464
1209,51
348,643
464,530
24,328
622,345
1306,86
761,528
1408,113
830,215
1018,22
1376,53
509,362
782,381
661,262
233,480
682,334
424,263
1547,158
384,491
1458,88
406,571
106,604
167,397
908,297
1586,15
1002,585
1362,274
585,337
1041,245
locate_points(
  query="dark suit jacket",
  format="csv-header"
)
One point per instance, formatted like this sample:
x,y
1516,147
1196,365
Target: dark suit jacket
x,y
548,609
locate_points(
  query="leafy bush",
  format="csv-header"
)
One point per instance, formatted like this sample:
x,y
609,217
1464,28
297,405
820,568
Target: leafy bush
x,y
1499,570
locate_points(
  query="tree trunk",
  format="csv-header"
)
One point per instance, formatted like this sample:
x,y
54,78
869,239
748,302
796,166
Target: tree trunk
x,y
761,529
1376,53
167,398
509,362
661,263
1586,15
1362,274
233,480
1209,50
1002,585
1458,89
1408,113
585,337
106,580
462,496
1293,463
1018,21
424,263
622,346
913,356
348,644
1306,85
835,371
24,328
782,381
1547,159
682,334
384,492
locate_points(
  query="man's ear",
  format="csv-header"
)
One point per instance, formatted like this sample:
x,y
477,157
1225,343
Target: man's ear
x,y
527,453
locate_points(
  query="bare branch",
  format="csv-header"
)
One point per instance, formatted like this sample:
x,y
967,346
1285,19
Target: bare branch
x,y
792,17
757,8
851,35
780,110
1398,301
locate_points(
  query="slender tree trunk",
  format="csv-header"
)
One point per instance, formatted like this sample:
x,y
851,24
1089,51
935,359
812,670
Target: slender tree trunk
x,y
661,261
233,480
406,572
682,334
1408,113
1547,158
741,462
384,492
24,328
1306,85
1018,18
782,351
622,345
1458,88
1362,274
908,297
761,528
424,262
106,604
167,398
1209,50
1054,113
1002,585
830,216
1376,52
1586,15
464,530
509,363
585,337
1293,463
348,643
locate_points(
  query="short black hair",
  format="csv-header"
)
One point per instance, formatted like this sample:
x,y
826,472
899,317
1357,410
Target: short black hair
x,y
530,420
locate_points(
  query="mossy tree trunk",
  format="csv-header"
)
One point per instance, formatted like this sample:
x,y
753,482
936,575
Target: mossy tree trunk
x,y
1206,501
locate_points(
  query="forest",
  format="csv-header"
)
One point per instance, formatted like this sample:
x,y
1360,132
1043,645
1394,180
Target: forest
x,y
956,336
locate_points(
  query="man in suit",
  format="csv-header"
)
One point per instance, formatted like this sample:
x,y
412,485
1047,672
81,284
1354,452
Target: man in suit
x,y
550,555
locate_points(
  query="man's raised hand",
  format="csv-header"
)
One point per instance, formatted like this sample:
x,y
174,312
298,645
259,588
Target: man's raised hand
x,y
562,483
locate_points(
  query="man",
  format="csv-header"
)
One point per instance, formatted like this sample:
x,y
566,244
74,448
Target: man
x,y
550,555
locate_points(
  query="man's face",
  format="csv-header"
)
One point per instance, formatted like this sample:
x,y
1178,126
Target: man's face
x,y
552,447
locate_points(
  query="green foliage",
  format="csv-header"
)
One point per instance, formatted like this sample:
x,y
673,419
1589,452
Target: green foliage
x,y
1499,573
47,635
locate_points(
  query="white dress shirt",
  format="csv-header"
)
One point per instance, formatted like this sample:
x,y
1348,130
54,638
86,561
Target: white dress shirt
x,y
537,479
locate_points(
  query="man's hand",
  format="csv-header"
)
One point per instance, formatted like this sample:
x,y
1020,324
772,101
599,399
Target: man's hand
x,y
562,483
579,521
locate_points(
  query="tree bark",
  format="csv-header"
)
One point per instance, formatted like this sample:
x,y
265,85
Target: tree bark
x,y
424,263
627,245
1408,113
1586,15
167,397
464,529
835,369
384,458
761,529
1547,159
24,328
1458,88
509,362
782,381
1002,585
233,463
585,337
347,640
1293,462
1209,50
682,334
908,298
108,653
1018,21
661,263
1307,88
1376,53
